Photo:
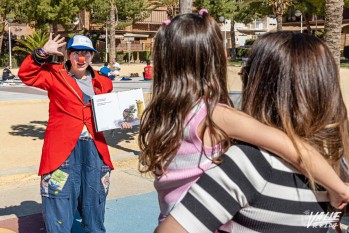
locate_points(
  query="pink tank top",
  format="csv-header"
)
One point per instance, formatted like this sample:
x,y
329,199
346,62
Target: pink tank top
x,y
188,164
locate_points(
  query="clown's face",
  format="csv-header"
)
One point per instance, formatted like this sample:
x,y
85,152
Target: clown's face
x,y
80,59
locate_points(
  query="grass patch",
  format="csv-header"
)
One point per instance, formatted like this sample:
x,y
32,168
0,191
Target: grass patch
x,y
235,62
344,63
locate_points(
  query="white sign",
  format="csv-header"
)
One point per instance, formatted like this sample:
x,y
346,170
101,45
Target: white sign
x,y
129,38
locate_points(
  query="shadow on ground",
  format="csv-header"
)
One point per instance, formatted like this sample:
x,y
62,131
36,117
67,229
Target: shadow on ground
x,y
116,136
35,129
26,221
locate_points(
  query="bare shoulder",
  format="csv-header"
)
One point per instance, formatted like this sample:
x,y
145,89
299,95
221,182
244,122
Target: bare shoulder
x,y
221,110
230,119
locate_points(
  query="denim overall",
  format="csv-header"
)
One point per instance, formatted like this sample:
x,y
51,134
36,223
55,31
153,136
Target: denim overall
x,y
80,183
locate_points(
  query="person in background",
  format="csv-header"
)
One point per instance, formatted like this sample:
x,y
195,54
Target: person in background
x,y
7,74
75,163
148,71
116,68
189,121
106,71
255,188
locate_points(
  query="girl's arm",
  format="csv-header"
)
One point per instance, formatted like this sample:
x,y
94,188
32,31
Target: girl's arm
x,y
170,225
241,126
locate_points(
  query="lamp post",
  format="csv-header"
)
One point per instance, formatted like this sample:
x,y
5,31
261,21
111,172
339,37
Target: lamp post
x,y
298,13
315,25
9,20
106,40
76,21
223,21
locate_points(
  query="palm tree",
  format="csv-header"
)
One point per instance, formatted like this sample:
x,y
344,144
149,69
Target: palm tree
x,y
171,6
113,22
279,8
333,26
28,45
185,6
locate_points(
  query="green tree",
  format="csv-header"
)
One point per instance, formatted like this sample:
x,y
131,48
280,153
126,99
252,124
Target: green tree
x,y
6,10
37,40
309,8
221,8
217,8
46,14
333,26
123,12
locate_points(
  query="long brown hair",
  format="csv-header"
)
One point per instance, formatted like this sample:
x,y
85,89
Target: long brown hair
x,y
189,66
291,82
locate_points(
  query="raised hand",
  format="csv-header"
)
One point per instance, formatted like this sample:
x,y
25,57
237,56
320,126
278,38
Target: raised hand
x,y
52,45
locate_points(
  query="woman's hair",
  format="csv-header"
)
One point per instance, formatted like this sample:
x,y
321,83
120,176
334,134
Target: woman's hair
x,y
189,65
291,82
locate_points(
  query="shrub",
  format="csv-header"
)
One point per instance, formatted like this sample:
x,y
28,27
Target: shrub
x,y
16,60
144,56
119,56
249,42
242,52
134,56
346,52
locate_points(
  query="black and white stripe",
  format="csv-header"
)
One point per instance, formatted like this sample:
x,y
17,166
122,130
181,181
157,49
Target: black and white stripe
x,y
258,190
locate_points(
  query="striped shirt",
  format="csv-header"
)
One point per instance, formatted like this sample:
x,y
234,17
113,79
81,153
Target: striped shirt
x,y
187,165
258,190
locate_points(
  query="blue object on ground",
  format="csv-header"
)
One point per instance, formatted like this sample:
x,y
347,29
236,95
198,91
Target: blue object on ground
x,y
125,79
132,214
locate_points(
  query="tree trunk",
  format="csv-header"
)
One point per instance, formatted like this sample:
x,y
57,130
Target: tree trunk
x,y
333,26
112,31
170,11
55,28
307,23
279,22
185,6
2,38
232,35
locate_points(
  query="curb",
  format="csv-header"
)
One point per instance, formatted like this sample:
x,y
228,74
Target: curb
x,y
11,175
24,101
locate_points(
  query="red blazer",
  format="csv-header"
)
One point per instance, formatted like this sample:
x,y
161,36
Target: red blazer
x,y
67,111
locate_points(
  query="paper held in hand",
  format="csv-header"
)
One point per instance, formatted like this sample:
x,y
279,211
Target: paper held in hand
x,y
111,109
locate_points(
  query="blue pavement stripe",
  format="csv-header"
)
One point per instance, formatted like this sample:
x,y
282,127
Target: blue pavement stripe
x,y
19,170
133,214
9,96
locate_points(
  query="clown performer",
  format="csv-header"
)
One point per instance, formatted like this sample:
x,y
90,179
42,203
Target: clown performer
x,y
75,162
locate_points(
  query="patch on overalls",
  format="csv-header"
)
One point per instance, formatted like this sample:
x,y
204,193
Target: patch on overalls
x,y
44,184
58,179
106,182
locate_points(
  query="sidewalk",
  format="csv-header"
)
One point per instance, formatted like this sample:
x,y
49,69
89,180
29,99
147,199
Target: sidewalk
x,y
132,203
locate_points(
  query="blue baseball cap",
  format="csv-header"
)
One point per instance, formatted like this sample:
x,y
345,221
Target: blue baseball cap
x,y
80,42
